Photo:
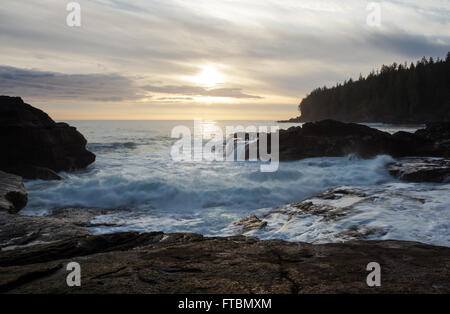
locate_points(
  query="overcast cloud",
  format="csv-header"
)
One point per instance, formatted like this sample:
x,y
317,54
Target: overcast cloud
x,y
136,58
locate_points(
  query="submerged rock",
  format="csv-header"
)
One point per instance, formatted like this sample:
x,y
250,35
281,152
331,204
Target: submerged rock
x,y
13,196
421,170
34,146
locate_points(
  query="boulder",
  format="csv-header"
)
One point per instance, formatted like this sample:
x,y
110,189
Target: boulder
x,y
13,196
35,146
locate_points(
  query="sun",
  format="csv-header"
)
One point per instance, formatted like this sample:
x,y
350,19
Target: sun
x,y
208,77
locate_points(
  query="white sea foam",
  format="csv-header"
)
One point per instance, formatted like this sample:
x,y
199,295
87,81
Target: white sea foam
x,y
401,211
134,172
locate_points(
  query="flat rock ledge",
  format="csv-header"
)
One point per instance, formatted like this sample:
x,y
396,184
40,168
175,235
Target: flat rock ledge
x,y
190,263
19,231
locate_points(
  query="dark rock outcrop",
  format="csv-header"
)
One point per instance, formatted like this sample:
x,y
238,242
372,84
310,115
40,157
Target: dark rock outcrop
x,y
34,146
329,138
439,133
421,170
436,131
292,120
13,196
189,263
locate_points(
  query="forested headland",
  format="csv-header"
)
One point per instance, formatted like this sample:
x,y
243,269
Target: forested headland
x,y
397,93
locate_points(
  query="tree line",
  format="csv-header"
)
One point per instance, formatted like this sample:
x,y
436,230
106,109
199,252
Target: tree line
x,y
397,93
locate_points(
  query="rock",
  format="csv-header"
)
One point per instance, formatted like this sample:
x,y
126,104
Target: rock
x,y
18,231
435,131
439,133
13,196
291,120
188,263
83,216
421,170
329,138
61,224
155,262
250,223
33,172
388,211
34,146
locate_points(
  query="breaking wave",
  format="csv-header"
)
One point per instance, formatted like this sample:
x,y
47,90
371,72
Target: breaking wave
x,y
159,185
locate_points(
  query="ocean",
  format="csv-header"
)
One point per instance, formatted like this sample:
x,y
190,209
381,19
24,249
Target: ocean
x,y
135,174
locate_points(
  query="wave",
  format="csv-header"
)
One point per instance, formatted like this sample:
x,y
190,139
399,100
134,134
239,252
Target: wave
x,y
181,187
156,193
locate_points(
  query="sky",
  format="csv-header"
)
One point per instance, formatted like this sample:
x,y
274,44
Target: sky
x,y
210,59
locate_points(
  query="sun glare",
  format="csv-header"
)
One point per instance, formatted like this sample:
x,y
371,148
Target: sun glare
x,y
208,77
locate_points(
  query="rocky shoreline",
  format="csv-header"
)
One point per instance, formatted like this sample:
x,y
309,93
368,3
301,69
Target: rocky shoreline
x,y
190,263
35,250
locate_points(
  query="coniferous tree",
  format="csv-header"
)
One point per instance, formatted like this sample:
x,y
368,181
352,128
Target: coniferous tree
x,y
397,93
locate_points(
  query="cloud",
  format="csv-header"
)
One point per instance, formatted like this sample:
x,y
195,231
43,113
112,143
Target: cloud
x,y
57,86
412,45
199,91
278,50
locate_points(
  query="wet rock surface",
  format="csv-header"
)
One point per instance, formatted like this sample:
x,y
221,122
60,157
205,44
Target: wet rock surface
x,y
421,170
35,251
189,263
35,146
329,138
17,230
250,223
22,231
82,216
13,195
393,211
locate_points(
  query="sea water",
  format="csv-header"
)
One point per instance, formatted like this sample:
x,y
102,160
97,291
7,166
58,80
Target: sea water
x,y
135,175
